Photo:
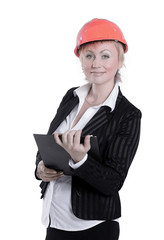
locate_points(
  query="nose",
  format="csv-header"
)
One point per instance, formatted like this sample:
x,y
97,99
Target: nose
x,y
96,63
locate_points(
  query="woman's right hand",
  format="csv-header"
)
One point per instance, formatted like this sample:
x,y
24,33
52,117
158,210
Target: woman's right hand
x,y
47,174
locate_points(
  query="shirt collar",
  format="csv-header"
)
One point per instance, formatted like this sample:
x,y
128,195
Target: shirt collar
x,y
82,92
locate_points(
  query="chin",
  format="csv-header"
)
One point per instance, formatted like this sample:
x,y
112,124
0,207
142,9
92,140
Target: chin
x,y
99,81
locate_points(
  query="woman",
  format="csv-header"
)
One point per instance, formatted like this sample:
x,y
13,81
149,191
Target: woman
x,y
86,205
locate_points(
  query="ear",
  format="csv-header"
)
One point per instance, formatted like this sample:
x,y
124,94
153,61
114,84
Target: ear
x,y
80,58
120,64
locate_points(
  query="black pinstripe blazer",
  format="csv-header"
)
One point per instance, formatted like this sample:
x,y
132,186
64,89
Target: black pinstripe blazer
x,y
95,185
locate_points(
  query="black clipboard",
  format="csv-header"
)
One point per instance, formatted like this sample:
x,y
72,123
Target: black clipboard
x,y
55,157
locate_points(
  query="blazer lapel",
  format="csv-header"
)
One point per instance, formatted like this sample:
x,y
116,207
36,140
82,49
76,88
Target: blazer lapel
x,y
97,121
102,116
62,113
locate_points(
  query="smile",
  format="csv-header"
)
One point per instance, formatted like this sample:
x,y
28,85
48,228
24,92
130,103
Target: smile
x,y
97,73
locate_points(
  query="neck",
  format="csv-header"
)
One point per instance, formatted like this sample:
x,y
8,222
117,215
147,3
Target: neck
x,y
99,93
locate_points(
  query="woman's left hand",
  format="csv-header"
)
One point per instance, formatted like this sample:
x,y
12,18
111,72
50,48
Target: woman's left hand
x,y
71,143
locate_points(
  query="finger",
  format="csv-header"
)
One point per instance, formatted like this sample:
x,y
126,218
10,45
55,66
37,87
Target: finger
x,y
57,139
45,170
70,138
87,144
40,168
77,137
67,137
41,163
48,171
49,177
64,137
55,175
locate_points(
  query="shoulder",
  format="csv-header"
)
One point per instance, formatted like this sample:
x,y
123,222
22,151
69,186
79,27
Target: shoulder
x,y
68,95
70,91
126,108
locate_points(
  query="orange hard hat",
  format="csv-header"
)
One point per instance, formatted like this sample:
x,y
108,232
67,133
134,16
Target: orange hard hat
x,y
99,29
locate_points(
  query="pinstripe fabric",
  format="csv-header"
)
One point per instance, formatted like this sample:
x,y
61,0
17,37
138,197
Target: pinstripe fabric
x,y
95,185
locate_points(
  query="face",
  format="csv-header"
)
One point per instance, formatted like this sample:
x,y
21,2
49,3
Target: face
x,y
100,61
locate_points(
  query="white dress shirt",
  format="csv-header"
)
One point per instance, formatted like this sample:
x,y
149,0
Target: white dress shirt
x,y
57,199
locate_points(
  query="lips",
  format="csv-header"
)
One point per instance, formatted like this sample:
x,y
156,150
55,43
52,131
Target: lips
x,y
97,73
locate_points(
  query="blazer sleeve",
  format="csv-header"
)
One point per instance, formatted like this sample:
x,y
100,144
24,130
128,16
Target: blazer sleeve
x,y
66,98
107,176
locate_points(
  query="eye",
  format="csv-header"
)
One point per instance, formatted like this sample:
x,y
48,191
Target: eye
x,y
105,56
89,56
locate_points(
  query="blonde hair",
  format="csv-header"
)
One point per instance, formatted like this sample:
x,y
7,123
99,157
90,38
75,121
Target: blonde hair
x,y
120,48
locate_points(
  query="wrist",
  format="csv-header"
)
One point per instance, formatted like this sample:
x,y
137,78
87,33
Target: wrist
x,y
79,158
74,165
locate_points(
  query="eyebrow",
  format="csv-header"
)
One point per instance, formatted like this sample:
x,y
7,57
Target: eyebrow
x,y
101,51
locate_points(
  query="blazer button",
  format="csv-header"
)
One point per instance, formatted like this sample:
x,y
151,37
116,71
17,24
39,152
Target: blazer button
x,y
78,192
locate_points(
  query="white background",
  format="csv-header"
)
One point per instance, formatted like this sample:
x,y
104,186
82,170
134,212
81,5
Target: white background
x,y
37,66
